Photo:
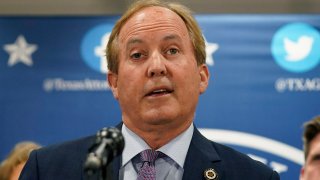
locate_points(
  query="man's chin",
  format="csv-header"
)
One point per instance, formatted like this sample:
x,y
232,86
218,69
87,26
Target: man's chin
x,y
159,120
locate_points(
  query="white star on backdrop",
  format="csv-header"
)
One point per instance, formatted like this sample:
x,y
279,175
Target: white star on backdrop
x,y
20,51
210,49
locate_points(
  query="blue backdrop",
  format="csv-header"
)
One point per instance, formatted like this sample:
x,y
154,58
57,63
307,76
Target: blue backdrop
x,y
264,85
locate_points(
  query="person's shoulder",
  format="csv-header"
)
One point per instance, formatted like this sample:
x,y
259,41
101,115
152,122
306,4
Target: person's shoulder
x,y
228,162
232,158
58,161
230,154
73,148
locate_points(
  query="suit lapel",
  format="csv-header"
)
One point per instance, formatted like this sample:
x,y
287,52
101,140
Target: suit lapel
x,y
115,168
201,156
116,163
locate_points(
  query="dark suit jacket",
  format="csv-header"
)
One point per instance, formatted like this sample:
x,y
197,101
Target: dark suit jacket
x,y
65,162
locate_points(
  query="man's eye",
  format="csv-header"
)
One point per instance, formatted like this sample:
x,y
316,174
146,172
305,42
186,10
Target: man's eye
x,y
172,51
136,55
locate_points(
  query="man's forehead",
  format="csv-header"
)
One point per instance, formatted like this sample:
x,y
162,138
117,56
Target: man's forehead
x,y
315,144
153,12
168,37
152,18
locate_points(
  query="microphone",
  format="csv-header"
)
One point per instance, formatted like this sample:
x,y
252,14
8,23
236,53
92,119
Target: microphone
x,y
109,144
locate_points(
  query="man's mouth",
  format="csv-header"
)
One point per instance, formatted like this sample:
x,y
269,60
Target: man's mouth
x,y
159,92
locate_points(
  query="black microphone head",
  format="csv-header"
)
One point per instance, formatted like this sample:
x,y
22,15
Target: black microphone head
x,y
109,144
116,139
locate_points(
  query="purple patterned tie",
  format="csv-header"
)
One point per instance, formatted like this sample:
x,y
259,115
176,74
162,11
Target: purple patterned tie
x,y
148,171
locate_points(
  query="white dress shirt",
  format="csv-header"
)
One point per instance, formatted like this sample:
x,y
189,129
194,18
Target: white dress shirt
x,y
167,167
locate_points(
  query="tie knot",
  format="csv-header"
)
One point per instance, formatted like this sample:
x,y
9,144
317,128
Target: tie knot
x,y
149,155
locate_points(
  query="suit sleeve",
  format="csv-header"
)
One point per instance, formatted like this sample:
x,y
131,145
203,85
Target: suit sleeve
x,y
30,170
274,176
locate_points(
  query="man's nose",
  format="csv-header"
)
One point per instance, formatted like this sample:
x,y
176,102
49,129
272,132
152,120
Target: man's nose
x,y
157,66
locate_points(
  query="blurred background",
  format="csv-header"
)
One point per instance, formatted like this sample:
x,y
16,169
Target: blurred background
x,y
107,7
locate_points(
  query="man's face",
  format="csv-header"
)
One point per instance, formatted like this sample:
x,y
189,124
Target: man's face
x,y
158,80
311,169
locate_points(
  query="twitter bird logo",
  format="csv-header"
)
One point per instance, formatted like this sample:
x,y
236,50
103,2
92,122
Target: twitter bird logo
x,y
298,50
295,47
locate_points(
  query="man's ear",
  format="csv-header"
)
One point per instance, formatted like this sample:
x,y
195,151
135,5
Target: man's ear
x,y
204,77
113,83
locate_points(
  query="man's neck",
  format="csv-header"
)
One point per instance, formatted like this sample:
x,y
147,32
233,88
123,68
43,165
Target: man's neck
x,y
157,136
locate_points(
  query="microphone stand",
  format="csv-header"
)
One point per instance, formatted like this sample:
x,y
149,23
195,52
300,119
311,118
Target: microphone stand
x,y
109,144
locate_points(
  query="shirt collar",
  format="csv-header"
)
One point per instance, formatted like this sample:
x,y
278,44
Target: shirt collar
x,y
133,145
176,149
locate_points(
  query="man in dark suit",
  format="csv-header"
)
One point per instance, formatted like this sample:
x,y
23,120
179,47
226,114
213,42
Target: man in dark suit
x,y
157,70
65,161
